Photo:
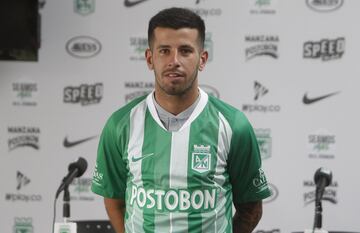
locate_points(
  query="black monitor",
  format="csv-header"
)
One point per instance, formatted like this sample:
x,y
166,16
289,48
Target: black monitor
x,y
94,226
19,30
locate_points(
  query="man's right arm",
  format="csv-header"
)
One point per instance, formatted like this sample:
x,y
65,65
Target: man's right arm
x,y
115,209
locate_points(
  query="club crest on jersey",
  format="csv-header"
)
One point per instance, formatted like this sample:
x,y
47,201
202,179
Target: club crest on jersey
x,y
201,158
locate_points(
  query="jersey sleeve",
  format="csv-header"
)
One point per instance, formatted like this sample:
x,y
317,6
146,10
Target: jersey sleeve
x,y
244,164
109,176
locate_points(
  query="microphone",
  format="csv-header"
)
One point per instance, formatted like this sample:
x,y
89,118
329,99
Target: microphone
x,y
76,169
322,179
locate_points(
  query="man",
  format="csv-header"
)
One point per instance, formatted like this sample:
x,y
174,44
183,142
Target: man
x,y
177,159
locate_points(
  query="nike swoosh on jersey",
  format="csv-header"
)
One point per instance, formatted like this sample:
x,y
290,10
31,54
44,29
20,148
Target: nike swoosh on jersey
x,y
307,100
133,159
68,143
129,3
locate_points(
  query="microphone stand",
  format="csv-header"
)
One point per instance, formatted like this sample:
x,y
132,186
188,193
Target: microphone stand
x,y
66,204
318,215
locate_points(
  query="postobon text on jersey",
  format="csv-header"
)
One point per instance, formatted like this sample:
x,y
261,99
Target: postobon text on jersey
x,y
174,199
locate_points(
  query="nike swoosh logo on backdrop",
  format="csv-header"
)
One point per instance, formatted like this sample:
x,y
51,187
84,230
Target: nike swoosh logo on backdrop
x,y
307,100
133,159
69,144
129,3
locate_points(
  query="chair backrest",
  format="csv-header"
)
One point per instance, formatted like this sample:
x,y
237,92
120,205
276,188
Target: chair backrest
x,y
94,226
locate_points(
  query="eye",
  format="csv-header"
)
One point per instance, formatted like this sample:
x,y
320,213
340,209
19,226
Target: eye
x,y
185,51
164,51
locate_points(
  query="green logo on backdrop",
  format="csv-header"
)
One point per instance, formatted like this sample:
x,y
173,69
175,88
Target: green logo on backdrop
x,y
263,137
84,7
209,46
64,229
82,185
140,44
262,2
23,225
321,147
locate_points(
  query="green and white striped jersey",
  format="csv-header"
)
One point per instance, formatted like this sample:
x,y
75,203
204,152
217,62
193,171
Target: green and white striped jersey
x,y
183,181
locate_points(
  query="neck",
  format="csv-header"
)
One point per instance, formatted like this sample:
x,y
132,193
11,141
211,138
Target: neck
x,y
176,104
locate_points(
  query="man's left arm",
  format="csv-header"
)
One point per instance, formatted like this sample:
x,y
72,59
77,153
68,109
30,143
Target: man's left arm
x,y
247,216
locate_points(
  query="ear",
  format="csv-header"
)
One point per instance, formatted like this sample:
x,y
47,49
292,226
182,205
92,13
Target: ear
x,y
149,60
203,59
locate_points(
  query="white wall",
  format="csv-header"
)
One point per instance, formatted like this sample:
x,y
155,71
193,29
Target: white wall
x,y
287,128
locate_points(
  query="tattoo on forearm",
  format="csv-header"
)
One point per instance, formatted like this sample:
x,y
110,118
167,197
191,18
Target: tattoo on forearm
x,y
247,217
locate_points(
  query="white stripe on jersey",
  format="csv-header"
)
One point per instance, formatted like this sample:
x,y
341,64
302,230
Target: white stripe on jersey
x,y
198,109
179,158
152,109
136,139
179,167
224,140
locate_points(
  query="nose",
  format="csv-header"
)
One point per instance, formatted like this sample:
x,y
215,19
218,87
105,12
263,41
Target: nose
x,y
174,59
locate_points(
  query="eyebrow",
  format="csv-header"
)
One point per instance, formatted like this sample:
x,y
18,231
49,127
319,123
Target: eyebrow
x,y
181,46
186,47
163,46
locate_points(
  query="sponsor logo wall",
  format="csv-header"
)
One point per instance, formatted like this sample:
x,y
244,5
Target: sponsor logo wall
x,y
83,47
322,145
324,6
274,194
260,92
325,49
264,139
261,46
84,7
330,194
80,190
23,224
138,46
263,7
85,94
289,66
313,99
22,192
23,137
25,93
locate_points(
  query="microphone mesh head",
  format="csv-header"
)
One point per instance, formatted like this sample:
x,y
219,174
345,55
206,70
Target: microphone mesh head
x,y
81,165
323,173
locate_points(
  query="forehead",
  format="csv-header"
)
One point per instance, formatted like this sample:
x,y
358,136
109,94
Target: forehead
x,y
169,36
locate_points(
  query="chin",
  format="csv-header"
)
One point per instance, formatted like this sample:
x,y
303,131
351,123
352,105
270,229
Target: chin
x,y
178,91
173,91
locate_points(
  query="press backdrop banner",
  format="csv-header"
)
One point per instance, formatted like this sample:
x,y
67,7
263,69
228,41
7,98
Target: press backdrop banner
x,y
290,66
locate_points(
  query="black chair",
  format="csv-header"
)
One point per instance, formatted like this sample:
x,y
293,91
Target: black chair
x,y
94,226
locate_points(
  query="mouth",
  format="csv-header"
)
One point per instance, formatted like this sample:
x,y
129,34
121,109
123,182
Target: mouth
x,y
173,75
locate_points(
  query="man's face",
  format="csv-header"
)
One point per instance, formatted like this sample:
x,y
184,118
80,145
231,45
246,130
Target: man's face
x,y
176,57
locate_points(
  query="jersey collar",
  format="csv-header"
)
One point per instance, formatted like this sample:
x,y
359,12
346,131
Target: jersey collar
x,y
198,109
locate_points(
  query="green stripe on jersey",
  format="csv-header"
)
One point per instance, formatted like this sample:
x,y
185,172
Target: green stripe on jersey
x,y
202,165
155,170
